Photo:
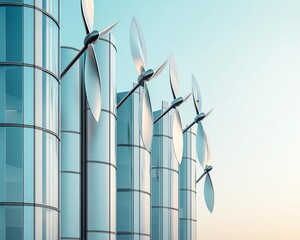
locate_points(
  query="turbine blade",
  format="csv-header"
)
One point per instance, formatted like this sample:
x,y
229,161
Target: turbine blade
x,y
196,95
107,29
159,69
208,154
138,46
173,77
209,193
209,112
201,145
87,10
92,82
146,118
187,97
177,136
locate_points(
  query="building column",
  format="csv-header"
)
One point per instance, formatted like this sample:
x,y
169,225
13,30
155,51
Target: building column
x,y
29,120
164,179
187,174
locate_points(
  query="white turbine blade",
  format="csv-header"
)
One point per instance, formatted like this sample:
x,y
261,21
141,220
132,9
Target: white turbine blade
x,y
87,9
177,136
209,193
138,46
173,77
146,118
201,145
209,112
107,29
196,95
187,97
92,82
159,69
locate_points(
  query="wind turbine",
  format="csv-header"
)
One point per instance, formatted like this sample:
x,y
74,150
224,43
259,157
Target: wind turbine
x,y
177,101
202,147
139,55
92,78
204,157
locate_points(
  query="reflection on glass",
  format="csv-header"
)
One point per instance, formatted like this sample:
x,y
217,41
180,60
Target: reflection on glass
x,y
11,34
124,211
11,165
11,94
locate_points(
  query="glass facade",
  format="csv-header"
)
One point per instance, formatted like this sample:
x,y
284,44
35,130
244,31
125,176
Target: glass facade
x,y
133,176
29,120
71,136
100,144
164,180
187,173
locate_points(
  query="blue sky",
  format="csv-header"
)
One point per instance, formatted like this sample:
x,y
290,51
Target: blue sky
x,y
245,55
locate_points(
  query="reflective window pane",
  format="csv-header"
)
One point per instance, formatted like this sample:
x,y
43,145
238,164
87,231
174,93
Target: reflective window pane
x,y
11,94
11,223
11,165
28,35
11,34
124,213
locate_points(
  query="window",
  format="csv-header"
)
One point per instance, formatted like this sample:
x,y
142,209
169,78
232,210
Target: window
x,y
11,34
11,94
124,213
11,164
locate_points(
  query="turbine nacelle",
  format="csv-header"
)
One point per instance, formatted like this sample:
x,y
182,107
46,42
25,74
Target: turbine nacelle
x,y
208,168
177,102
199,117
91,37
145,76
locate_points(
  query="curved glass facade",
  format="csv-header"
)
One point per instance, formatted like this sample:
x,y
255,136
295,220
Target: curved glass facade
x,y
187,173
164,179
29,121
133,176
71,135
100,144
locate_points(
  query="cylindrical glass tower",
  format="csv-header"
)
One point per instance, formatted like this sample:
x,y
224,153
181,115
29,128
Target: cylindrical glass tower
x,y
100,147
29,119
164,179
71,135
133,176
187,173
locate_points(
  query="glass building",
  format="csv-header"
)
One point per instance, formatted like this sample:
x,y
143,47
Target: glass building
x,y
71,150
29,119
133,178
187,173
99,220
164,180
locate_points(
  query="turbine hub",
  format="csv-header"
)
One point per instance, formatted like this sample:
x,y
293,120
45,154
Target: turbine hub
x,y
177,102
208,169
200,117
91,37
145,76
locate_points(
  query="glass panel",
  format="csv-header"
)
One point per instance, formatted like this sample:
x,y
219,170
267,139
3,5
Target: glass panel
x,y
70,152
46,224
113,199
28,95
155,223
11,99
124,211
11,34
28,44
174,190
11,177
124,123
124,176
28,222
155,187
46,169
145,213
70,205
97,137
28,165
11,223
145,171
97,196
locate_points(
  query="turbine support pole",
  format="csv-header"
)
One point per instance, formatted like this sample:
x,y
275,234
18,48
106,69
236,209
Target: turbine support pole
x,y
128,95
73,61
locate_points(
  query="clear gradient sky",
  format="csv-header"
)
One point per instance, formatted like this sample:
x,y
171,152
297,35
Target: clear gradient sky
x,y
245,55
